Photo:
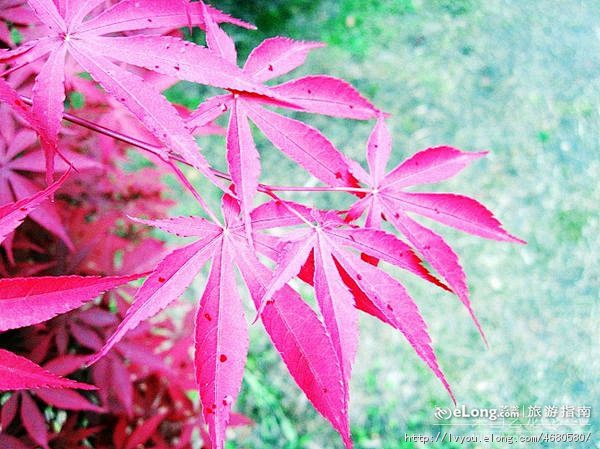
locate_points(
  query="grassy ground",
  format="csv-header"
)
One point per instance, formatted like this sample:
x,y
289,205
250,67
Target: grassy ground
x,y
520,79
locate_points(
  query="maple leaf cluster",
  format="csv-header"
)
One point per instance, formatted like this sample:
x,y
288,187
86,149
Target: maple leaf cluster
x,y
75,227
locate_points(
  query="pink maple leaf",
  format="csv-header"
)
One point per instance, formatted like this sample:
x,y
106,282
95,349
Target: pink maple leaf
x,y
302,143
388,199
221,335
89,38
326,244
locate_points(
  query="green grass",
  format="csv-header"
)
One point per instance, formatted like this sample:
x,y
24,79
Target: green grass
x,y
520,79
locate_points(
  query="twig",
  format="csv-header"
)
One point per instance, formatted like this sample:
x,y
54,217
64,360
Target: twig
x,y
159,151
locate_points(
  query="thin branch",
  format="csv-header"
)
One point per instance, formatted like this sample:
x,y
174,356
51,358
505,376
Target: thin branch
x,y
159,151
111,133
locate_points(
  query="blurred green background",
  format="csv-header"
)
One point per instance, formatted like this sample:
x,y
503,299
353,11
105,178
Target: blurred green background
x,y
518,78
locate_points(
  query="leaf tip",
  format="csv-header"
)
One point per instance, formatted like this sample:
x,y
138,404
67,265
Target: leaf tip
x,y
515,239
88,387
94,358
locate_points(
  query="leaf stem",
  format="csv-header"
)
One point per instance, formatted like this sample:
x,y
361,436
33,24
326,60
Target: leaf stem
x,y
181,176
315,189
